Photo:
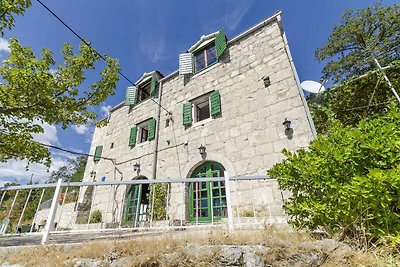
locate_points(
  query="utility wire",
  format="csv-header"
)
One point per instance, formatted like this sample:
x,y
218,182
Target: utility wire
x,y
89,45
80,38
70,151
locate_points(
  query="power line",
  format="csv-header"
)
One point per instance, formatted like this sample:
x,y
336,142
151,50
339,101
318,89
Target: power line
x,y
372,105
80,38
89,45
72,152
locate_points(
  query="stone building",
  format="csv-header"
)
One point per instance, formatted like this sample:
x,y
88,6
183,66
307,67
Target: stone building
x,y
229,96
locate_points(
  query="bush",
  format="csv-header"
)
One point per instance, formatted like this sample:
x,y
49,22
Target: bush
x,y
347,180
95,217
160,200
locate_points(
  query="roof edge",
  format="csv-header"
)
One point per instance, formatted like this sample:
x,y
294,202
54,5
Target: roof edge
x,y
276,16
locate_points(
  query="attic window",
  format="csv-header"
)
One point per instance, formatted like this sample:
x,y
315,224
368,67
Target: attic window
x,y
203,54
205,57
144,91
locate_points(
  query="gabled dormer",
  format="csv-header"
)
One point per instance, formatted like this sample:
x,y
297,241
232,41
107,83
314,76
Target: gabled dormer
x,y
203,54
144,88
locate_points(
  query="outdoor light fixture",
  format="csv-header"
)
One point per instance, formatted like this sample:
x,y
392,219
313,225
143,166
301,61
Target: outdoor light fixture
x,y
92,174
286,124
136,166
202,150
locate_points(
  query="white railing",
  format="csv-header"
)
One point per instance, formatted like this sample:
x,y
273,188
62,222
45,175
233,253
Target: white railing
x,y
229,202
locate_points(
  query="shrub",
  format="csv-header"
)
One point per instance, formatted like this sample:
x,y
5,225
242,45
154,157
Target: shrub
x,y
95,217
347,180
160,200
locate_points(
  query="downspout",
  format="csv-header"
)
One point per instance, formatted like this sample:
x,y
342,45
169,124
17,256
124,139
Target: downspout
x,y
303,99
155,153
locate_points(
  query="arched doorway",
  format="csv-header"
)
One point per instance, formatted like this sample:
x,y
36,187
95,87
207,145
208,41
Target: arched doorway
x,y
207,200
136,203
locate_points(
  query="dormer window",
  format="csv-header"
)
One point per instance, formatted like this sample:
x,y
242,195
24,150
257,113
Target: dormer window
x,y
144,88
144,91
203,54
205,57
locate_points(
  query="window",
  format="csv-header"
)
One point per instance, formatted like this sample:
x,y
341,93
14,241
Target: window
x,y
144,91
205,58
142,132
145,88
202,108
112,145
203,54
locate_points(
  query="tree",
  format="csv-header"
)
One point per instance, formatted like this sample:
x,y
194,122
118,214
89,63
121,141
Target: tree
x,y
36,90
7,10
373,30
33,92
347,180
352,45
71,172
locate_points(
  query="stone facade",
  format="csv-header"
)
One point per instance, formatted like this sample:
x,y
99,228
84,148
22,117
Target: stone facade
x,y
246,138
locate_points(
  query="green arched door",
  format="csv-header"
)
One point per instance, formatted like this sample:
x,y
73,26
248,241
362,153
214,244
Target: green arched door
x,y
136,204
207,200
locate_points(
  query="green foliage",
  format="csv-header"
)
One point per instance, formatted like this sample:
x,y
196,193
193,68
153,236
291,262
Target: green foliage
x,y
348,179
374,29
160,200
355,100
361,92
96,217
7,10
53,96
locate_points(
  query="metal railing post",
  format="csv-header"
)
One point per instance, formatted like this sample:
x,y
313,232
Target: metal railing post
x,y
167,203
52,213
91,206
2,197
62,208
37,210
152,204
23,211
12,205
228,201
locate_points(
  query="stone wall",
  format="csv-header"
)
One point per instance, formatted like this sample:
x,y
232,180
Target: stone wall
x,y
64,219
246,138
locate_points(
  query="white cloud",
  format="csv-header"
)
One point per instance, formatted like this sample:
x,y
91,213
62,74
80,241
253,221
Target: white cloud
x,y
153,45
4,45
239,9
16,169
49,136
105,110
80,129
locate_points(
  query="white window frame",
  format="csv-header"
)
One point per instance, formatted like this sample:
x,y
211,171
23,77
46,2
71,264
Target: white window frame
x,y
140,127
197,101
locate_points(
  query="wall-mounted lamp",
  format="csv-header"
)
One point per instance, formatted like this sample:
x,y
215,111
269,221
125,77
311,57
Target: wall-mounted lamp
x,y
287,125
136,167
202,150
92,175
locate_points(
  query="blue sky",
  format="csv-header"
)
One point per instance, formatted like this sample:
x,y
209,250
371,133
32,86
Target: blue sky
x,y
145,35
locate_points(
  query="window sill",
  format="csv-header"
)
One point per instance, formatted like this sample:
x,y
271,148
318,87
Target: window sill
x,y
201,123
206,70
143,143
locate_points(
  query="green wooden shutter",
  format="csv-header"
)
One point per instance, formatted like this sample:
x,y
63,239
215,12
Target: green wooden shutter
x,y
187,114
152,129
153,84
132,137
215,102
97,153
131,95
220,43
